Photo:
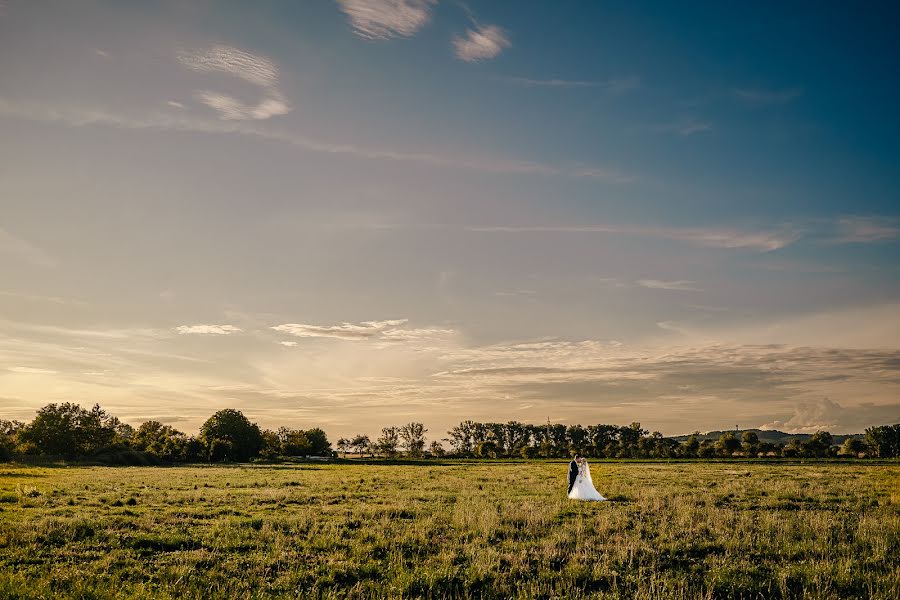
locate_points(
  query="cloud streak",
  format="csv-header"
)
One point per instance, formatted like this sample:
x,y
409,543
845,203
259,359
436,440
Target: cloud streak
x,y
612,86
766,97
682,285
207,329
866,230
172,121
764,241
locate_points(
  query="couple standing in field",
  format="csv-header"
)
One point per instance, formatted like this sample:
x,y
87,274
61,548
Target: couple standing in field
x,y
581,486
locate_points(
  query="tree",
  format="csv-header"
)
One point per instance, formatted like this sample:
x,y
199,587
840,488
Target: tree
x,y
343,444
68,430
792,449
8,437
728,444
818,446
690,446
271,446
388,442
436,449
707,449
229,435
160,440
460,438
360,443
413,437
884,440
293,442
852,447
750,443
318,442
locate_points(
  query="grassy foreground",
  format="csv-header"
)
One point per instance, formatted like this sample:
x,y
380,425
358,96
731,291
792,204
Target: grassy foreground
x,y
691,530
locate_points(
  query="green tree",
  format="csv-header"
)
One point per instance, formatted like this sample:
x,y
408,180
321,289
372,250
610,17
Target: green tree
x,y
160,440
68,430
271,446
9,431
361,444
884,440
728,444
750,443
293,442
343,444
412,436
690,446
707,449
436,449
318,442
388,442
229,435
852,447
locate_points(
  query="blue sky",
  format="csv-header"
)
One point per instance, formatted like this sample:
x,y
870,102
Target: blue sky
x,y
358,213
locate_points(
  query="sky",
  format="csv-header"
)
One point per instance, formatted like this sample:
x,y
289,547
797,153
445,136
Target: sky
x,y
359,213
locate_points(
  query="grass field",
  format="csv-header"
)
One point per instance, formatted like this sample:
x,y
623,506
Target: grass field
x,y
688,530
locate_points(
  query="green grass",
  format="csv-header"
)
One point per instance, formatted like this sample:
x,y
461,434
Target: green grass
x,y
678,530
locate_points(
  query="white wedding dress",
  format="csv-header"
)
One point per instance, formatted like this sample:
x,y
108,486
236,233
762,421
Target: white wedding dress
x,y
584,489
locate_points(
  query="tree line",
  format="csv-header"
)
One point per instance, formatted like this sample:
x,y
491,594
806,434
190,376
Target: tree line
x,y
69,431
514,439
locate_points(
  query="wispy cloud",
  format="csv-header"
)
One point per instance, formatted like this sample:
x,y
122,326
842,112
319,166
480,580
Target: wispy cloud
x,y
482,43
681,285
345,331
716,238
386,19
254,69
207,329
686,126
26,251
864,230
177,121
32,370
613,86
766,97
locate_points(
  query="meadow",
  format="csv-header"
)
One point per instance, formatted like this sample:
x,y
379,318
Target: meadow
x,y
451,529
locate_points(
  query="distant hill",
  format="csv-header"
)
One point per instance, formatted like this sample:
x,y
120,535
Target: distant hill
x,y
767,435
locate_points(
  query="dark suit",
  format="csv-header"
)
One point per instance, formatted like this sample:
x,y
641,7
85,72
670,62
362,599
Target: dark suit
x,y
573,474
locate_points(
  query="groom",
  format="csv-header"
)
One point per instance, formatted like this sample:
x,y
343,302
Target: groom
x,y
573,471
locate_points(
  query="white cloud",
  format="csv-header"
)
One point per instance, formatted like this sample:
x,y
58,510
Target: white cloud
x,y
482,43
252,68
385,19
32,370
170,121
208,329
682,285
289,343
100,52
175,104
344,331
26,251
828,415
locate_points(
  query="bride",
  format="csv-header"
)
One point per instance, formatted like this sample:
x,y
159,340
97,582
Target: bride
x,y
583,489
